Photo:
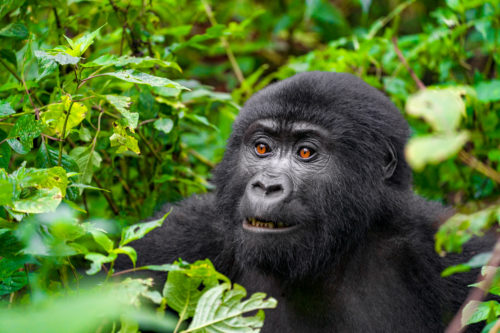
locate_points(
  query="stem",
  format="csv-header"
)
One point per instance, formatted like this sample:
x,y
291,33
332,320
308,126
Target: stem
x,y
182,315
11,70
405,63
476,294
61,143
158,157
37,111
479,166
225,44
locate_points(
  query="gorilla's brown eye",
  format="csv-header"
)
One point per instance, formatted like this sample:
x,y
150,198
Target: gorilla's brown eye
x,y
305,153
262,148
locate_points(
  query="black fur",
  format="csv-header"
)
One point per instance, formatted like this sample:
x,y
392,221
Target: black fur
x,y
363,259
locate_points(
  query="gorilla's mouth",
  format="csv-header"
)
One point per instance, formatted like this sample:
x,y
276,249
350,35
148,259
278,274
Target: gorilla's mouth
x,y
259,225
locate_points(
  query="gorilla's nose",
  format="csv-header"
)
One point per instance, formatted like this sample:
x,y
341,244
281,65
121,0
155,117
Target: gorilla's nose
x,y
269,188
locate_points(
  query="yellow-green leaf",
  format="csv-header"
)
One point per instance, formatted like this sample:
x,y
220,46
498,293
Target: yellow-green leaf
x,y
433,149
55,117
441,108
122,140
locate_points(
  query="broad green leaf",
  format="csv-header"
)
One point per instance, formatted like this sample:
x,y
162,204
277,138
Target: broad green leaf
x,y
7,6
164,124
5,151
15,30
134,76
6,192
55,117
133,289
122,105
139,230
477,261
43,200
47,157
186,285
488,91
122,140
129,251
432,149
81,312
23,132
43,178
102,239
441,108
221,309
97,260
6,109
88,161
134,62
12,274
48,60
213,32
82,44
485,311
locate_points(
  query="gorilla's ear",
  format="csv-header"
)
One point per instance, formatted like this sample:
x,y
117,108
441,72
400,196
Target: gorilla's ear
x,y
390,161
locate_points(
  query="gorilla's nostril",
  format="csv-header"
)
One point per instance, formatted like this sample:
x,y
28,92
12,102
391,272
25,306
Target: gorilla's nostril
x,y
274,188
259,185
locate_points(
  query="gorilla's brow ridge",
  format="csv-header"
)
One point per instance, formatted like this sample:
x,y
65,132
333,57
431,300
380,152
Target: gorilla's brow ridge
x,y
296,129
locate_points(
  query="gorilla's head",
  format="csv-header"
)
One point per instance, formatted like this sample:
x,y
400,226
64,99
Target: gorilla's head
x,y
313,162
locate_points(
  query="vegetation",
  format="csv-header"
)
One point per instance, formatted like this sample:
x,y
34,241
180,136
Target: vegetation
x,y
110,108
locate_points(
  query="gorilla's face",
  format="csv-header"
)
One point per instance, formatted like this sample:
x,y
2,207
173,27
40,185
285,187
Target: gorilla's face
x,y
299,200
313,161
282,162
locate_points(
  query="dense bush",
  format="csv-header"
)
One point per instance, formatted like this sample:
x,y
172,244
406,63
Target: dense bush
x,y
110,108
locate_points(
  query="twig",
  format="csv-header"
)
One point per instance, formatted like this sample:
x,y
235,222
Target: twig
x,y
476,294
225,44
202,158
37,111
405,63
10,70
479,166
158,157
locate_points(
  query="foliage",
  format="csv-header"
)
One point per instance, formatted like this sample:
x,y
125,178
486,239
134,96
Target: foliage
x,y
110,108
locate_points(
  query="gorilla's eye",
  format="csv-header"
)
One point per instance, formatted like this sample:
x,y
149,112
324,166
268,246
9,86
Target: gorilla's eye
x,y
305,153
262,148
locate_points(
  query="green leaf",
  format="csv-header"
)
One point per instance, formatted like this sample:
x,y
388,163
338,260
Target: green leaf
x,y
47,157
97,260
122,105
15,30
488,91
12,275
122,140
102,239
6,109
82,44
143,78
88,161
43,200
441,108
134,62
6,192
186,285
139,230
164,124
485,311
221,309
476,261
129,251
23,132
55,117
62,58
432,149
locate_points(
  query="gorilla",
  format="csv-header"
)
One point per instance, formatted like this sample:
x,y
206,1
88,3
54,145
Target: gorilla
x,y
314,206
